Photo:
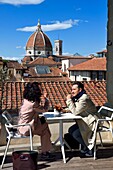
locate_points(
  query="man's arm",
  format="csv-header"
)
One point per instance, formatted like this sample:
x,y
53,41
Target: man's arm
x,y
77,107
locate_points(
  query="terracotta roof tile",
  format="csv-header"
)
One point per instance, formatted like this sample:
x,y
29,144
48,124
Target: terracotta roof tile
x,y
12,93
54,72
39,40
46,78
32,72
92,64
27,59
103,51
43,61
14,64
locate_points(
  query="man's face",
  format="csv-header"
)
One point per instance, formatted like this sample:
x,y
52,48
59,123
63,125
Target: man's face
x,y
75,90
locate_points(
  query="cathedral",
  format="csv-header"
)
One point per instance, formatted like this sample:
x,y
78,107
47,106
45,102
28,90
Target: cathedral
x,y
39,61
40,46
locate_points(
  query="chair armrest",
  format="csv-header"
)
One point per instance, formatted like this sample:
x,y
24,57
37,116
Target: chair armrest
x,y
15,126
24,124
106,119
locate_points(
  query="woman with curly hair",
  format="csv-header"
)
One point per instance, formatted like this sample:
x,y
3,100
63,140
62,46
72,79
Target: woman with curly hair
x,y
29,114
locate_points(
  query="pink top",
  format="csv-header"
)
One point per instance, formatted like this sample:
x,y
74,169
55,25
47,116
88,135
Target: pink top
x,y
27,114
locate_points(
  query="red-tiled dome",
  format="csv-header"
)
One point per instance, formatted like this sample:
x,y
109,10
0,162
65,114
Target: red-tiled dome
x,y
39,41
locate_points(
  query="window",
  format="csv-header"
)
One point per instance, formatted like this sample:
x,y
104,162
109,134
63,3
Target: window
x,y
100,75
10,72
39,52
93,75
84,79
60,49
72,73
64,67
75,77
42,69
18,72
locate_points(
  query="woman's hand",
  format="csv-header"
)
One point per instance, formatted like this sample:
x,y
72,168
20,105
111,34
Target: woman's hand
x,y
43,99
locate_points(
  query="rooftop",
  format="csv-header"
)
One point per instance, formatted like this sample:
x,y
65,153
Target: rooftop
x,y
11,94
92,64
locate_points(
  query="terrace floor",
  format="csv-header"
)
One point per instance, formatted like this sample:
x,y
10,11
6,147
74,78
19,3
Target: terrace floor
x,y
75,161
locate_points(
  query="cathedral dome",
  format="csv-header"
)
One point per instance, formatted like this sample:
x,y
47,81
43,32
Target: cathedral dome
x,y
38,43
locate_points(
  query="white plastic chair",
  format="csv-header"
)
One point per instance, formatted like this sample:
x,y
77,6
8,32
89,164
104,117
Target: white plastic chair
x,y
12,133
101,127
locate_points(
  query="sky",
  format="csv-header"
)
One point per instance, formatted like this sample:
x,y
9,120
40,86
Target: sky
x,y
80,24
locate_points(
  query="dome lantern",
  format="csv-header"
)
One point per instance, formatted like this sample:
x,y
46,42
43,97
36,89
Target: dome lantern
x,y
38,26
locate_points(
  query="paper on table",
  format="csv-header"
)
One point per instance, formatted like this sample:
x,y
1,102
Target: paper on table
x,y
50,114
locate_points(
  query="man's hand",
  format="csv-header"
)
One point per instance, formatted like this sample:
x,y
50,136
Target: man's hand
x,y
69,96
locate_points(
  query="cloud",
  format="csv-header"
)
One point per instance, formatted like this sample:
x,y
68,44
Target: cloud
x,y
67,54
21,2
18,47
56,25
10,58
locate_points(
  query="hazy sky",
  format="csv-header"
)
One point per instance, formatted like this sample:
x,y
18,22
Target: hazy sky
x,y
80,24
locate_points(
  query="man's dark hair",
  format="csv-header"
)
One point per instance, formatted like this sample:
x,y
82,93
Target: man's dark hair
x,y
32,92
80,85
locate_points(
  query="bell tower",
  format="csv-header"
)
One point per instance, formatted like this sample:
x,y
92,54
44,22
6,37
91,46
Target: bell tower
x,y
58,47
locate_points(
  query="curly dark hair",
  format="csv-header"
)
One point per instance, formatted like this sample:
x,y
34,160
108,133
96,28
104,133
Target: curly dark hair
x,y
32,92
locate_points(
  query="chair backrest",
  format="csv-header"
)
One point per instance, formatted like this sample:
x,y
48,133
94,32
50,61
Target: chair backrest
x,y
7,117
106,111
